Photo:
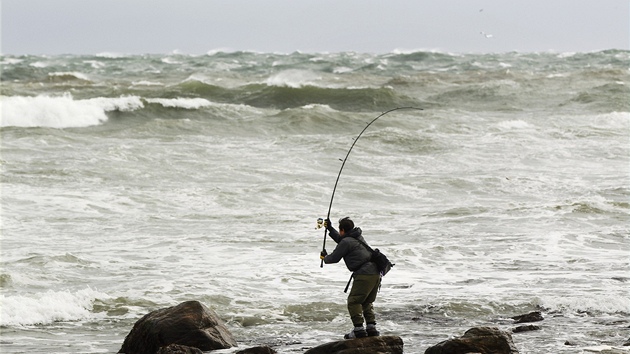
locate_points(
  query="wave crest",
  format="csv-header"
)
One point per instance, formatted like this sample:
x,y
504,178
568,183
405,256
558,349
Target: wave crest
x,y
63,111
48,307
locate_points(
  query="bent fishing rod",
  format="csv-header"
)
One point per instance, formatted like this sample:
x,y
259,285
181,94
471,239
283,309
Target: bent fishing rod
x,y
344,163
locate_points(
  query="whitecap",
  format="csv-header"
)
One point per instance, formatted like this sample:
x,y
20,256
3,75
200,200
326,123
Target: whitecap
x,y
146,83
52,112
186,103
62,111
11,61
293,79
48,307
513,125
68,76
95,63
111,55
123,103
39,64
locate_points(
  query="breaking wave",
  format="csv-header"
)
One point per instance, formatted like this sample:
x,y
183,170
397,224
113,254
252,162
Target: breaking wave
x,y
48,307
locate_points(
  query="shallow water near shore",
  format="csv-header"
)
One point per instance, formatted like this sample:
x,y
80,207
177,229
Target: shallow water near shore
x,y
133,183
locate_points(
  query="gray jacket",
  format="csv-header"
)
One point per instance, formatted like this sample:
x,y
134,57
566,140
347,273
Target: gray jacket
x,y
354,254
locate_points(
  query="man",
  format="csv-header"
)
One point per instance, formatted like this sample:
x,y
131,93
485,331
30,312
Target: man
x,y
366,275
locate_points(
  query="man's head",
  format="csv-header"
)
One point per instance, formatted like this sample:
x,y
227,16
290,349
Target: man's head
x,y
345,225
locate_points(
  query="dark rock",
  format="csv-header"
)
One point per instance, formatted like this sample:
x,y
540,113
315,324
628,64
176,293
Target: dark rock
x,y
178,349
626,344
367,345
525,328
257,350
189,324
485,340
569,343
535,316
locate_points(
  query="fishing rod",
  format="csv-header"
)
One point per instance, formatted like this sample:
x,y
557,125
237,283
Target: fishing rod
x,y
320,221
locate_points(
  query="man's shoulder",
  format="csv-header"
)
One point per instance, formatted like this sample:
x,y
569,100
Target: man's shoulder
x,y
351,241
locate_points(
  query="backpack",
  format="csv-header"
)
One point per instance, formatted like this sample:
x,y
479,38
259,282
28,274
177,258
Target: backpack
x,y
381,260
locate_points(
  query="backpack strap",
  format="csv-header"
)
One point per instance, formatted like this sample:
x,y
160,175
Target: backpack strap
x,y
369,260
365,245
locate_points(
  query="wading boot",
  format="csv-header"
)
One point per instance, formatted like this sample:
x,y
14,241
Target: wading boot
x,y
372,331
358,332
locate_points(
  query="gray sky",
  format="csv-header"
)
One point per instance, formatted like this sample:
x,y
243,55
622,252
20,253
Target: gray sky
x,y
200,26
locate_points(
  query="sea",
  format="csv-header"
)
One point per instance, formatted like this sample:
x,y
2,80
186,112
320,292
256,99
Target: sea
x,y
498,184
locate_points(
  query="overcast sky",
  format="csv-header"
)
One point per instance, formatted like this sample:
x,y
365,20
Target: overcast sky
x,y
200,26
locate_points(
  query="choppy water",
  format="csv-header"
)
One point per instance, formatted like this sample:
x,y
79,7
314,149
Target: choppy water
x,y
132,183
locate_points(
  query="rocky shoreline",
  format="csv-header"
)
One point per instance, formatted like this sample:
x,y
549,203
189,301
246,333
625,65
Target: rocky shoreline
x,y
193,328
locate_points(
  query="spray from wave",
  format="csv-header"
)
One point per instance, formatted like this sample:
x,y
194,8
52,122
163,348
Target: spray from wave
x,y
67,112
48,307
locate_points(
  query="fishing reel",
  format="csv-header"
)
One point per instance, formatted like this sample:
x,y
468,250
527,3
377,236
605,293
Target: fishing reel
x,y
320,223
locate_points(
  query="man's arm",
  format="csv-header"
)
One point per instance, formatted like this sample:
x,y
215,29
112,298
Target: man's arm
x,y
332,232
340,251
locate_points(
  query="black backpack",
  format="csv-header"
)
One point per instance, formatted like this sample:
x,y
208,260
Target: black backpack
x,y
381,260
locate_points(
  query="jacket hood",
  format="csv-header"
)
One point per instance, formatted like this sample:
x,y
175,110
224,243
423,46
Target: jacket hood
x,y
355,233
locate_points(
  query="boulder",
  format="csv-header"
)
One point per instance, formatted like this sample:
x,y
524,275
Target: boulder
x,y
530,317
484,340
257,350
190,324
367,345
178,349
525,328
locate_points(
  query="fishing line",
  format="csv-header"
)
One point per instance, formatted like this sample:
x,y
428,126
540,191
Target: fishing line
x,y
341,169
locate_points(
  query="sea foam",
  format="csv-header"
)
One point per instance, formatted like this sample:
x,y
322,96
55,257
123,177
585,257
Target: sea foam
x,y
61,112
293,79
48,307
185,103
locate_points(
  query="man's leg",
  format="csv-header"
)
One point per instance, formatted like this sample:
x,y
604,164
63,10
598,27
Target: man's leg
x,y
364,290
367,306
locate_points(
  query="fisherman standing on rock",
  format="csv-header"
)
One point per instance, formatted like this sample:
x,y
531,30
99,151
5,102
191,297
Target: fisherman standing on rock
x,y
367,278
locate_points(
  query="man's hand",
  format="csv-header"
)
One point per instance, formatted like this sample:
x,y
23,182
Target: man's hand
x,y
323,254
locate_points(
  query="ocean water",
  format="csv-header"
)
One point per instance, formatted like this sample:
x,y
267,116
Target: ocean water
x,y
133,183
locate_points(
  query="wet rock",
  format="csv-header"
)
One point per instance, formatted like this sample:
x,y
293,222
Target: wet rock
x,y
190,324
535,316
367,345
178,349
257,350
525,328
477,340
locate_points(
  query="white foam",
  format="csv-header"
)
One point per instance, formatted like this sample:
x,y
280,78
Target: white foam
x,y
62,111
596,302
219,51
11,61
606,349
614,120
124,103
293,79
95,63
39,64
513,125
342,70
168,60
48,307
111,55
66,76
146,83
566,55
186,103
323,107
